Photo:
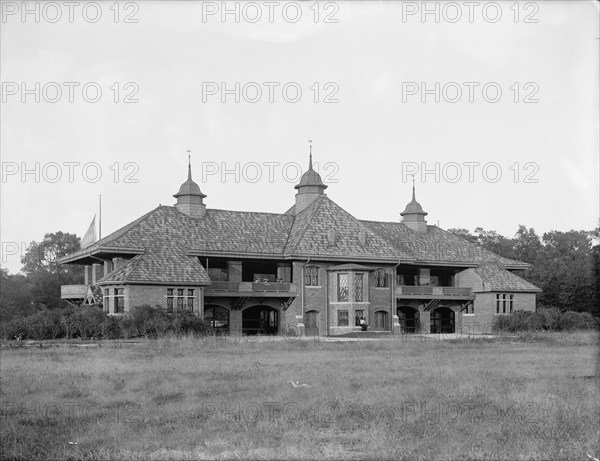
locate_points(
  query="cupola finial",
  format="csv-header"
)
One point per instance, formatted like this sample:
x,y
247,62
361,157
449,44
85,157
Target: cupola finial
x,y
310,167
189,164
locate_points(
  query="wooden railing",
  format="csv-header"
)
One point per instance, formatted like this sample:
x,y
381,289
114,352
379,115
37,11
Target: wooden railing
x,y
431,290
73,291
285,287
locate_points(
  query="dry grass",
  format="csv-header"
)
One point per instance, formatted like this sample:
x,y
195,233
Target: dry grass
x,y
184,398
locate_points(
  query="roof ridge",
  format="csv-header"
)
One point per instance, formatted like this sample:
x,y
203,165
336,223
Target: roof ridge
x,y
312,207
120,270
250,212
127,227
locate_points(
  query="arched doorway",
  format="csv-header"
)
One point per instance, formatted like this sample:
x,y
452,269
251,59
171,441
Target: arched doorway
x,y
408,318
442,320
311,323
262,320
217,317
381,320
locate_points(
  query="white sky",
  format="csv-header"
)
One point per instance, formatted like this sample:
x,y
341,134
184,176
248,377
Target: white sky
x,y
370,134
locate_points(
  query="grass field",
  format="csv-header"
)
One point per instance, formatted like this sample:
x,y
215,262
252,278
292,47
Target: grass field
x,y
532,398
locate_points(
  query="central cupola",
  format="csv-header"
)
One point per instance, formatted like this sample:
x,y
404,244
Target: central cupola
x,y
413,215
190,199
309,188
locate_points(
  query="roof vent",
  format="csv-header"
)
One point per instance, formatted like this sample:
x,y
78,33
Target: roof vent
x,y
362,237
331,236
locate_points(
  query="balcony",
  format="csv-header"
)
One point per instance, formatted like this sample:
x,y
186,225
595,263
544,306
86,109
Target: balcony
x,y
268,289
431,292
73,291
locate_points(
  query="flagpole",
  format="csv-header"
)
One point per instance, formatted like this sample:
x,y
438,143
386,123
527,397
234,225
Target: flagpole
x,y
100,220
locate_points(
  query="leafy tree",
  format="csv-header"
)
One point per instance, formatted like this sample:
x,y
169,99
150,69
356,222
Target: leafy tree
x,y
15,296
564,270
526,244
494,242
44,274
464,234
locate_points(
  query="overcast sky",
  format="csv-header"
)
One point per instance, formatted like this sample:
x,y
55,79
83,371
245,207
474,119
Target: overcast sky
x,y
527,155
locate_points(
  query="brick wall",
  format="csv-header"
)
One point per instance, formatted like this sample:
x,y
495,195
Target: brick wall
x,y
137,295
315,299
484,311
381,300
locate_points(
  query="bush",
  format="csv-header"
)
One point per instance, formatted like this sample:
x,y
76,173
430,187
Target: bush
x,y
571,320
15,329
90,322
185,323
550,319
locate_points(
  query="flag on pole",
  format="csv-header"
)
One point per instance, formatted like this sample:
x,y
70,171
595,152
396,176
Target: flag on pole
x,y
90,235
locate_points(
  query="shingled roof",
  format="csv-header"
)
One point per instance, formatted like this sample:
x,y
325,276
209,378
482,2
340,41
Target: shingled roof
x,y
493,277
162,246
437,245
309,235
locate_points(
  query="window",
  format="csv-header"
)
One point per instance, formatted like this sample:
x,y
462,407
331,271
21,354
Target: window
x,y
358,314
343,318
169,299
358,288
311,276
180,299
119,300
380,278
504,303
190,300
106,300
343,288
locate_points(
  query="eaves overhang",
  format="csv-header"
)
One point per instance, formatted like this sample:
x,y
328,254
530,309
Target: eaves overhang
x,y
94,254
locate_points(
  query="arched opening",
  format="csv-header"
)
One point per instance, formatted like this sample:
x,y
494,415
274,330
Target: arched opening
x,y
408,318
262,320
381,320
311,323
442,320
217,317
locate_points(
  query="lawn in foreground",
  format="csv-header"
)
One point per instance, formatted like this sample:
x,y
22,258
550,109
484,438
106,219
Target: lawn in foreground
x,y
190,398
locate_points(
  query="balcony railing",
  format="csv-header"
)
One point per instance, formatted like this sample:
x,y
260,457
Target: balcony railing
x,y
270,286
430,290
73,291
251,287
224,286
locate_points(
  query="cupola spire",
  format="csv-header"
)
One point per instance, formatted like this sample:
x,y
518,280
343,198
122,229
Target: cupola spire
x,y
190,199
311,185
413,215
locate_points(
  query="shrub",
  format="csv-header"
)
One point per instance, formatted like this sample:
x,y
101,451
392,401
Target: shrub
x,y
187,323
518,321
111,328
550,319
571,320
84,322
15,329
